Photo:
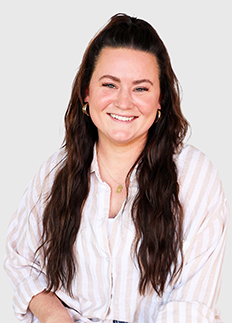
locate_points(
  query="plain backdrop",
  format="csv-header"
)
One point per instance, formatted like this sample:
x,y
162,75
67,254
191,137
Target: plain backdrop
x,y
42,43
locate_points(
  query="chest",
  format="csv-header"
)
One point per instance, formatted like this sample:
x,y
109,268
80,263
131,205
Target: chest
x,y
116,201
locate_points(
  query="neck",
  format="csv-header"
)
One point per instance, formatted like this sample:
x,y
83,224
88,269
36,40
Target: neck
x,y
120,155
115,162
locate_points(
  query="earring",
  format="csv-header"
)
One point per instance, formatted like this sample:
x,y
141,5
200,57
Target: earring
x,y
84,109
158,116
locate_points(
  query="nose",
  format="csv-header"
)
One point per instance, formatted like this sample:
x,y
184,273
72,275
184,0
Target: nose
x,y
124,100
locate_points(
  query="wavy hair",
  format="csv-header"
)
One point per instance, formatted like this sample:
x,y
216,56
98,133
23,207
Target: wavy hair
x,y
157,213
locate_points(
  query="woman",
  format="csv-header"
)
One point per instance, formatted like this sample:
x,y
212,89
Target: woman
x,y
124,223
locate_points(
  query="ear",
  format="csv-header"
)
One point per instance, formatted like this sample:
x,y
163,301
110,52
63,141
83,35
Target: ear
x,y
86,95
159,105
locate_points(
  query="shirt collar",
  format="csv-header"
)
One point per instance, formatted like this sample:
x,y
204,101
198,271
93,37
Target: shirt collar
x,y
94,166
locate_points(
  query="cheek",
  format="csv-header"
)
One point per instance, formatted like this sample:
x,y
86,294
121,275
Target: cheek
x,y
149,107
100,100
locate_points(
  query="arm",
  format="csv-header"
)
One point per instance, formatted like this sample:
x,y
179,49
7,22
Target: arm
x,y
25,271
48,309
193,298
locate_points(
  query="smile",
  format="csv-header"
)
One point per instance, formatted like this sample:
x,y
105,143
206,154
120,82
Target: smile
x,y
121,118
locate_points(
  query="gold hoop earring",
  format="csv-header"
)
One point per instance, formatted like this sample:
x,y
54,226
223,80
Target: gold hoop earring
x,y
84,109
158,116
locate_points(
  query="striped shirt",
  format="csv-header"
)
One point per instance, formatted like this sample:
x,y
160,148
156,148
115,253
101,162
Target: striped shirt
x,y
105,286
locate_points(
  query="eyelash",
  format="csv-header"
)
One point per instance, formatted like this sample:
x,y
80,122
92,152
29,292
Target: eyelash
x,y
109,85
138,89
141,89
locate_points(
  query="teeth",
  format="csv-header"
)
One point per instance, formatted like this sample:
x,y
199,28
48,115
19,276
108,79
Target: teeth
x,y
115,116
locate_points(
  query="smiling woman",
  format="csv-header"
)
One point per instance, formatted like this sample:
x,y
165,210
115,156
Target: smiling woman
x,y
123,97
124,222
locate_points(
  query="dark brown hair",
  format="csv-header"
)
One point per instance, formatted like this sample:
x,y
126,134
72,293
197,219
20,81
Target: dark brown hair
x,y
156,212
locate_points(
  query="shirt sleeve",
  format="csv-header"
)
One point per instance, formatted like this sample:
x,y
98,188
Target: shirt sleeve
x,y
194,296
24,269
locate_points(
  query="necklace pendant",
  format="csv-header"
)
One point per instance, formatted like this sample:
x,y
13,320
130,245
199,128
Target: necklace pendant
x,y
119,189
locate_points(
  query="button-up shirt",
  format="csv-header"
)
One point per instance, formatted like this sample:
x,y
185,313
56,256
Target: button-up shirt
x,y
105,286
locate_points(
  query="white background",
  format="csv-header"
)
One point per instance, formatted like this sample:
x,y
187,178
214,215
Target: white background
x,y
42,43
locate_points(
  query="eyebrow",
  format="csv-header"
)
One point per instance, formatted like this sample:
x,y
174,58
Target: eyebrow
x,y
114,78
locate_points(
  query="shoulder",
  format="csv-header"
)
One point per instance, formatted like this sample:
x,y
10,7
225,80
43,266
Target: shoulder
x,y
190,155
191,161
197,173
44,178
54,162
35,195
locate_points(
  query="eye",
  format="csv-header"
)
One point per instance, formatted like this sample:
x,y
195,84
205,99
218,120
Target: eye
x,y
141,89
109,85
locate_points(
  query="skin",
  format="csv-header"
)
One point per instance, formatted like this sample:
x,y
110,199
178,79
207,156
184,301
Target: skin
x,y
123,98
125,83
48,309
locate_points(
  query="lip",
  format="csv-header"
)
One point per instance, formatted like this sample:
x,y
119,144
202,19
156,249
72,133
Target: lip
x,y
122,118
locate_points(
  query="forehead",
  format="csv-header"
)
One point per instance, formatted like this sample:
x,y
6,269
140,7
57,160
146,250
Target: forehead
x,y
126,62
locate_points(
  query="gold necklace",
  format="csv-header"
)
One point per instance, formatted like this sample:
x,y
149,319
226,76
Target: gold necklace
x,y
120,186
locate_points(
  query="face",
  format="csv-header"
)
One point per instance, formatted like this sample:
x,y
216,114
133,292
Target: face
x,y
123,95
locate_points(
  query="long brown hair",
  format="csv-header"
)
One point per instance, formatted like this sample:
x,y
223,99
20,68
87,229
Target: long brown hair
x,y
156,211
